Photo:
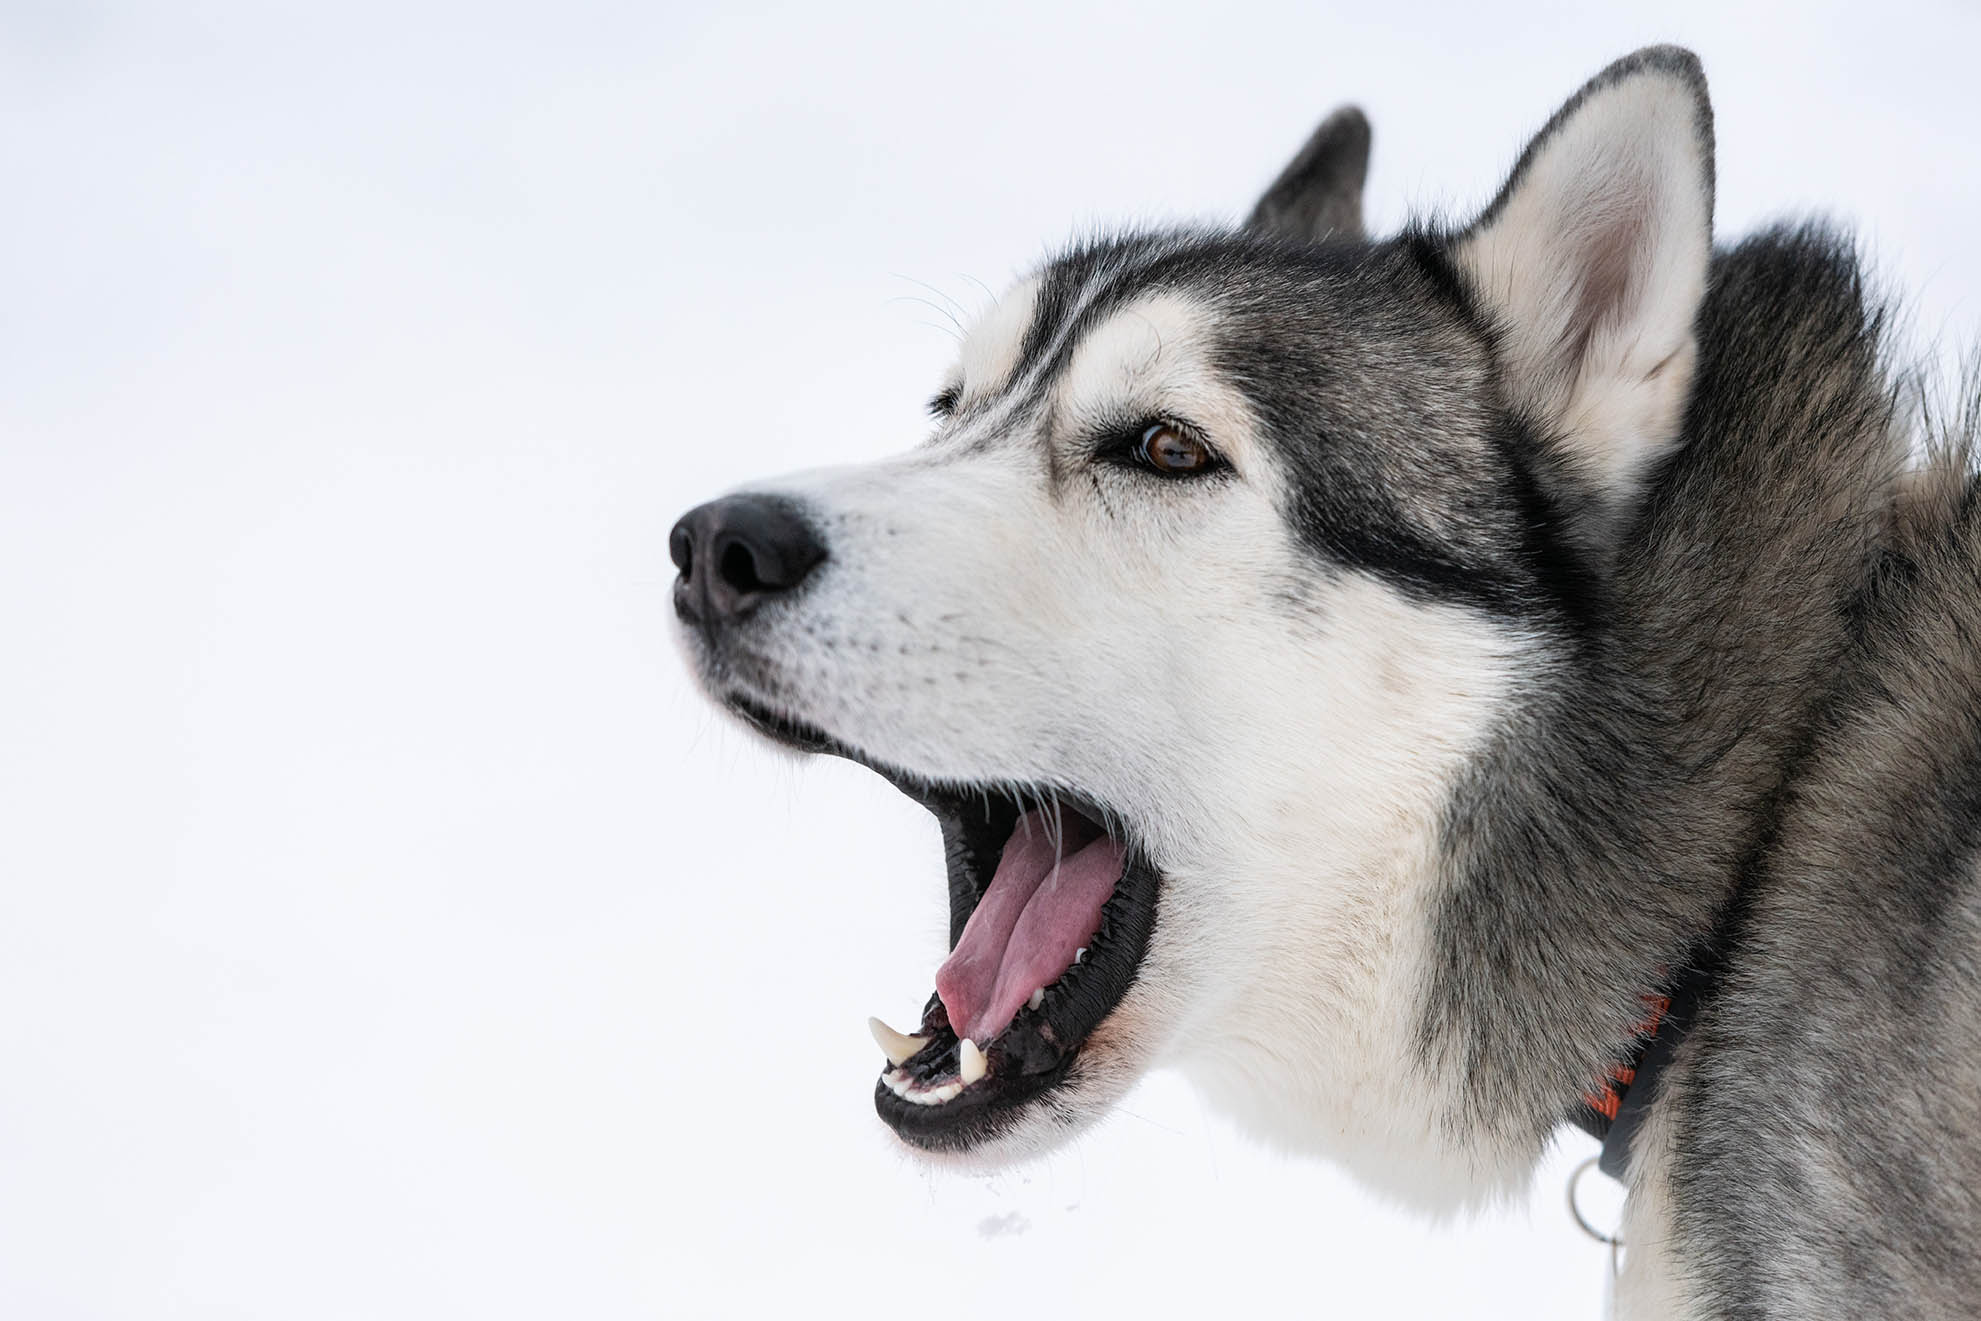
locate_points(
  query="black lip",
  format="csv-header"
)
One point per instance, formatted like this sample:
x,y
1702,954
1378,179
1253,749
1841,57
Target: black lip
x,y
790,731
1039,1052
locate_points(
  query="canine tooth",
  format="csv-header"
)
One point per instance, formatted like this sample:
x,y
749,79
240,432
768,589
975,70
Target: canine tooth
x,y
898,1048
1038,997
972,1064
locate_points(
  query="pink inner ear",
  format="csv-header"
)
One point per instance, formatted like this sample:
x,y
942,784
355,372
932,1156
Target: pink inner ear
x,y
1041,906
1609,265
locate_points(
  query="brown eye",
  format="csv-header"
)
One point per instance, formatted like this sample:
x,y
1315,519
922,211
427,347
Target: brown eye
x,y
1169,449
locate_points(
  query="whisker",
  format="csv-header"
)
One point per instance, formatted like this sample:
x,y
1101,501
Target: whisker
x,y
988,291
937,292
944,329
955,326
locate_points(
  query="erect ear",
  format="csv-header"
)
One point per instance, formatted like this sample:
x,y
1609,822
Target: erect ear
x,y
1319,193
1592,263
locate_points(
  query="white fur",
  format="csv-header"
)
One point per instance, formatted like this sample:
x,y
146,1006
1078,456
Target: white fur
x,y
1304,1030
1594,264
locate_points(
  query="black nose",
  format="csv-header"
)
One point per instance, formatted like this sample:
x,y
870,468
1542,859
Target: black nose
x,y
738,552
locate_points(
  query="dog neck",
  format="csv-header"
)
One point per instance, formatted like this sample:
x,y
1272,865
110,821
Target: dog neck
x,y
1601,838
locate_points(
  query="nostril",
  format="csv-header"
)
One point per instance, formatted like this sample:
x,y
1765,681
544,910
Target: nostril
x,y
681,548
738,568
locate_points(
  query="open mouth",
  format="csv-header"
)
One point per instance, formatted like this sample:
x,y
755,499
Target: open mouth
x,y
1051,905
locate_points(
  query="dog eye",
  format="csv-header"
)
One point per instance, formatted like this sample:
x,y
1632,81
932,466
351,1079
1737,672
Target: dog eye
x,y
1174,452
945,403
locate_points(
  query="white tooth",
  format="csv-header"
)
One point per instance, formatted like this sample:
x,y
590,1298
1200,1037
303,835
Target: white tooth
x,y
1038,997
971,1061
898,1048
1080,955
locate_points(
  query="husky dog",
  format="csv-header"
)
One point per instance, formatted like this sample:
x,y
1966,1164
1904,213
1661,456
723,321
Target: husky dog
x,y
1364,674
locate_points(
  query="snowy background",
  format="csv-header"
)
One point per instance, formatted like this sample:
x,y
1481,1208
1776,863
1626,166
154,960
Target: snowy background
x,y
386,930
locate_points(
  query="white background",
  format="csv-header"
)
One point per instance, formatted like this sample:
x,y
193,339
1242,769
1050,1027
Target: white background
x,y
386,929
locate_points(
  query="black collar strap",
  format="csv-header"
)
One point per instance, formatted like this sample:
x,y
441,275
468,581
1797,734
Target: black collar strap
x,y
1615,1110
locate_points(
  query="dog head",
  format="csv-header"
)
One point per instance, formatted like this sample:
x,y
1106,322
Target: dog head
x,y
1226,554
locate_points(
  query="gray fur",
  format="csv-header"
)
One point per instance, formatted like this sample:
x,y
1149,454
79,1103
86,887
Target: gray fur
x,y
1824,1113
1603,837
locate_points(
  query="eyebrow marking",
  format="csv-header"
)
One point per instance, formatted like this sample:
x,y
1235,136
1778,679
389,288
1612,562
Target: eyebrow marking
x,y
1078,299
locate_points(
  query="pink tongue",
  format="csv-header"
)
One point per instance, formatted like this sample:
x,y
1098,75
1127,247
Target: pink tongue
x,y
1030,922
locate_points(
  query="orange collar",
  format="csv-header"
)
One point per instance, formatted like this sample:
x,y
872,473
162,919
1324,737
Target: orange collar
x,y
1614,1109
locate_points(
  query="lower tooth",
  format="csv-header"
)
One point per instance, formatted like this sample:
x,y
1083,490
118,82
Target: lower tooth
x,y
1080,955
971,1063
1038,998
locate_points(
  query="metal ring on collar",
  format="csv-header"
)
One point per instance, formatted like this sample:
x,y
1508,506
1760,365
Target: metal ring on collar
x,y
1574,1183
